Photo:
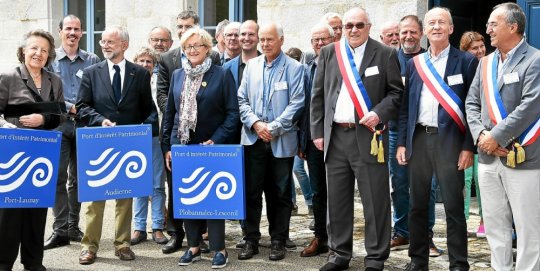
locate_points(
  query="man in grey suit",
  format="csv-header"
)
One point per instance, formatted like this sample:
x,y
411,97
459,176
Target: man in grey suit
x,y
504,126
270,97
338,128
113,92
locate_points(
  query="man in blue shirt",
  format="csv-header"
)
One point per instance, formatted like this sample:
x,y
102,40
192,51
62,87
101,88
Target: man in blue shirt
x,y
69,65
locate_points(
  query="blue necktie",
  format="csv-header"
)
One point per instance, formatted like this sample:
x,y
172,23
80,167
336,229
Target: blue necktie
x,y
117,83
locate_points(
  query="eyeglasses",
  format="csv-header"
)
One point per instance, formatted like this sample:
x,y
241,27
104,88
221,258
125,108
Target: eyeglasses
x,y
195,47
186,27
337,27
156,40
231,35
491,25
317,40
107,42
359,25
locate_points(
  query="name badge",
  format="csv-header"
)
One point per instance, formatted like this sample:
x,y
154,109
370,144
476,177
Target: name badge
x,y
372,71
511,78
455,79
280,85
79,74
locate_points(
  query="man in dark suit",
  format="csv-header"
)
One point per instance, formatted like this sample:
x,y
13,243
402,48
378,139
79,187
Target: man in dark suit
x,y
169,62
345,134
106,99
434,138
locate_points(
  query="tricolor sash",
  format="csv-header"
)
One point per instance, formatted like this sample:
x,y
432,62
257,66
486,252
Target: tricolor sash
x,y
497,112
447,98
357,92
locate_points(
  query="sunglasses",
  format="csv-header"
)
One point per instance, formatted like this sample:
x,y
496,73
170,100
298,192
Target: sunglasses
x,y
359,25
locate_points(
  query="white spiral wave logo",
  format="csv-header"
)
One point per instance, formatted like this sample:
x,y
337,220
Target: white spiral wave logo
x,y
132,169
41,176
223,192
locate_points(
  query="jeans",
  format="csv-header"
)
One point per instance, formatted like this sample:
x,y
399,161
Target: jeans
x,y
302,177
470,174
67,207
400,195
140,204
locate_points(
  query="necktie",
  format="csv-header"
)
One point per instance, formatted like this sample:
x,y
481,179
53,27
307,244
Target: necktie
x,y
117,83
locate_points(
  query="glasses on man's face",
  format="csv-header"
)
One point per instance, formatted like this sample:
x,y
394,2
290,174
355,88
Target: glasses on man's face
x,y
194,47
186,27
231,35
359,25
107,42
156,40
491,25
317,40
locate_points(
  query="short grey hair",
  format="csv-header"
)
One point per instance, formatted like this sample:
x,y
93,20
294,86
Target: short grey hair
x,y
357,9
514,15
221,26
232,25
446,10
121,31
279,29
322,25
164,28
146,51
206,39
329,16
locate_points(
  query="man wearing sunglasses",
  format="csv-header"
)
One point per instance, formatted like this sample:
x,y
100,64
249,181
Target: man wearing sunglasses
x,y
345,132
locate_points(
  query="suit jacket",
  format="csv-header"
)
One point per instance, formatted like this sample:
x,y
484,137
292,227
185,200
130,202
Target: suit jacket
x,y
168,63
17,87
384,90
96,101
285,104
451,139
304,135
217,109
521,100
232,65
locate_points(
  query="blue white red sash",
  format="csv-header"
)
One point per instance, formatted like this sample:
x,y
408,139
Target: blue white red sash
x,y
446,97
494,102
351,78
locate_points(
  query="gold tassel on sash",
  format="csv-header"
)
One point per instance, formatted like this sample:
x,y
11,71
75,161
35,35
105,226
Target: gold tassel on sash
x,y
380,153
374,149
520,153
511,158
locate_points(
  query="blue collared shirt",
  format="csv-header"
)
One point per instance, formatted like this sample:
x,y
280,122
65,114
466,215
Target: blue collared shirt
x,y
70,71
269,72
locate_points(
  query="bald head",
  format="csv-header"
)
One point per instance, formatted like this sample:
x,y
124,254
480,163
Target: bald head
x,y
356,26
390,34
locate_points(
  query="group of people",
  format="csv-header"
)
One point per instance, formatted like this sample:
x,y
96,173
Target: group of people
x,y
358,111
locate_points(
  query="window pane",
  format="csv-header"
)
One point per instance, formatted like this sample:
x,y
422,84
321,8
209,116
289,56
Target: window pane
x,y
99,15
78,8
97,47
250,10
215,11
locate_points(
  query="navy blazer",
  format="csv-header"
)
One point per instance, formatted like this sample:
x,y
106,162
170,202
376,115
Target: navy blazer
x,y
232,65
217,109
451,138
96,101
304,134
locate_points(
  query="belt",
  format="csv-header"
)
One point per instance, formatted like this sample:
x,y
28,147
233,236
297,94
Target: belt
x,y
428,129
349,125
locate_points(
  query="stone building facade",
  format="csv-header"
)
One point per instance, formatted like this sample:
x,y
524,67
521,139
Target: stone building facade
x,y
296,16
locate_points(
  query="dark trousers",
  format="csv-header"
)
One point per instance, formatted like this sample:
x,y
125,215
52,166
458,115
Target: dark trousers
x,y
343,165
174,226
23,227
427,158
273,176
317,177
67,207
216,232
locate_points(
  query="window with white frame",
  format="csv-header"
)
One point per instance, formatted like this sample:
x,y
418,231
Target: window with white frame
x,y
92,15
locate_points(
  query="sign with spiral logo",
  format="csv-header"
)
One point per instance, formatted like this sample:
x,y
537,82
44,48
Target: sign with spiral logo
x,y
28,167
114,162
208,181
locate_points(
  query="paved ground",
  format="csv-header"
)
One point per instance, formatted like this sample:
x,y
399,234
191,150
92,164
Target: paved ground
x,y
149,256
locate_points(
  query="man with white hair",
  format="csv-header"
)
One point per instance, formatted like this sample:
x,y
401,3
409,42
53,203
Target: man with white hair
x,y
357,90
334,20
220,39
390,34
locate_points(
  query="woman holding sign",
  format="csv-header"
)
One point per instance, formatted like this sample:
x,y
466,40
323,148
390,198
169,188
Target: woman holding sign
x,y
202,108
30,98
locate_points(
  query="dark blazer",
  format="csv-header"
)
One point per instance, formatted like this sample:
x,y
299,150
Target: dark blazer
x,y
232,65
450,137
217,109
384,90
96,101
168,63
304,134
17,87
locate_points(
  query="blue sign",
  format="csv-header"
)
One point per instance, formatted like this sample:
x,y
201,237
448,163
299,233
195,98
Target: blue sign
x,y
28,167
114,162
208,181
